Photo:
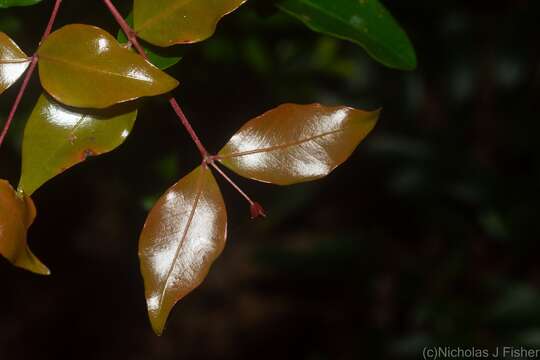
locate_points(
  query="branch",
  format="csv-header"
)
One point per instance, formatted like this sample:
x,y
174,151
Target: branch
x,y
54,13
28,74
18,99
184,120
130,33
256,209
132,38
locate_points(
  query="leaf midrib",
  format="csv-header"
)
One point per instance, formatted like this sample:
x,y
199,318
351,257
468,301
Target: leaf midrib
x,y
184,236
90,69
285,145
14,61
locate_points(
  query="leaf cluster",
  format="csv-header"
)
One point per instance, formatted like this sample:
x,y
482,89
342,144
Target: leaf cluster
x,y
92,81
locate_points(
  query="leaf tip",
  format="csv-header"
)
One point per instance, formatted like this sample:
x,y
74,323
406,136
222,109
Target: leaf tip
x,y
158,318
407,62
411,64
30,262
42,270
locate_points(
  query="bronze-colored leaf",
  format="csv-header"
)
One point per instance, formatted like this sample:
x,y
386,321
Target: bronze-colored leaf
x,y
84,66
17,213
169,22
13,62
57,137
296,143
183,235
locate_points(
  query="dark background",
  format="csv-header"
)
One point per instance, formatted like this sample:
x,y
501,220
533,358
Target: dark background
x,y
427,236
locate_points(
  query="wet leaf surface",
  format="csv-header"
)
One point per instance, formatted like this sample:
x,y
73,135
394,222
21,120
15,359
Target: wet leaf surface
x,y
296,143
57,137
17,213
183,235
84,66
13,62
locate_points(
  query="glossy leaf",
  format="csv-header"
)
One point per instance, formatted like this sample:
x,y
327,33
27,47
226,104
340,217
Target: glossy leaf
x,y
12,3
57,137
169,22
296,143
160,57
365,22
183,235
17,213
13,62
84,66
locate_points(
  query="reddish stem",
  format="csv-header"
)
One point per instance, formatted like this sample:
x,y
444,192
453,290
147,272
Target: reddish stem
x,y
28,74
132,37
130,33
256,208
184,120
52,18
18,99
226,177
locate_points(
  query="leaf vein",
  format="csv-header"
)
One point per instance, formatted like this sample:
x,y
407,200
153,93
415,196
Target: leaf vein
x,y
282,146
184,235
90,69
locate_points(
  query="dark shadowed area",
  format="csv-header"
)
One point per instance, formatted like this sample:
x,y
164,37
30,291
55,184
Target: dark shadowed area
x,y
427,236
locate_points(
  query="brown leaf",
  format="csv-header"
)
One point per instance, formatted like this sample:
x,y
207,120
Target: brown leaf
x,y
17,213
296,143
183,235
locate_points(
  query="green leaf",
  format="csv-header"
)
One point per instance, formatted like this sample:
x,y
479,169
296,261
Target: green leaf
x,y
57,137
17,213
11,3
183,235
84,66
169,22
296,143
13,62
365,22
160,57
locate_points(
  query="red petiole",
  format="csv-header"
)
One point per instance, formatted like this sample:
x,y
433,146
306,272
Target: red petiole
x,y
28,74
256,208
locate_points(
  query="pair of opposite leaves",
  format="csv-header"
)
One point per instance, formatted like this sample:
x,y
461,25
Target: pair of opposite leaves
x,y
186,230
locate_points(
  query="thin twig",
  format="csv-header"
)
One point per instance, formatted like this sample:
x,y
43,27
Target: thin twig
x,y
132,37
226,177
256,208
130,33
28,74
18,99
52,18
184,120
